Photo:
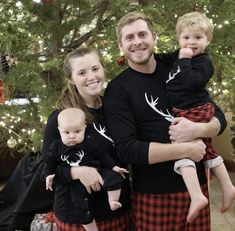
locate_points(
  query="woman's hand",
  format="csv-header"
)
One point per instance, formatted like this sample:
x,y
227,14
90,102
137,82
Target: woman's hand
x,y
184,130
88,176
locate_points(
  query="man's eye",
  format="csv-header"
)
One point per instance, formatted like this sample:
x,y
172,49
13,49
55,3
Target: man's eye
x,y
129,37
142,35
95,68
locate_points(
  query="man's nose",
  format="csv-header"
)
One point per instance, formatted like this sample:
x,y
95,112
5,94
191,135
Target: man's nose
x,y
137,41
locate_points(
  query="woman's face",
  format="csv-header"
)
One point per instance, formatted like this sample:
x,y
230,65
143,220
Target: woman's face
x,y
87,75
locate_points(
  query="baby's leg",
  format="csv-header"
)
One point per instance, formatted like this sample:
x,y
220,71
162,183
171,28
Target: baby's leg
x,y
91,226
198,200
113,197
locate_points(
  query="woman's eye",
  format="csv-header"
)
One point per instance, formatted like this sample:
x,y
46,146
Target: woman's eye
x,y
82,73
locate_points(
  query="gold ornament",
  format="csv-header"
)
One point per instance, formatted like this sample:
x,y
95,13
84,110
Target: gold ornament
x,y
11,143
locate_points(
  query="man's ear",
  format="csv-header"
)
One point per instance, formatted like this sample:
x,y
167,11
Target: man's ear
x,y
120,46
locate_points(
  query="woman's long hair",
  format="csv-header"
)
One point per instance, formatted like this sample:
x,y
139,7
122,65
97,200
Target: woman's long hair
x,y
70,97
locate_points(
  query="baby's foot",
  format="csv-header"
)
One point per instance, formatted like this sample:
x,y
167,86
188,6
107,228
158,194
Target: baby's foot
x,y
227,199
115,205
197,203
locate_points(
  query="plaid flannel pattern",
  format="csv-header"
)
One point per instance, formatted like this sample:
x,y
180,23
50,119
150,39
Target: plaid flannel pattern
x,y
168,212
204,114
121,223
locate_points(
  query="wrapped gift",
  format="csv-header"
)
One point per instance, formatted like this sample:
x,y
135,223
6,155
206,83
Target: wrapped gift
x,y
43,222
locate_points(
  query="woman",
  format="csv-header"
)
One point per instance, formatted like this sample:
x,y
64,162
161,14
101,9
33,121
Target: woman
x,y
85,76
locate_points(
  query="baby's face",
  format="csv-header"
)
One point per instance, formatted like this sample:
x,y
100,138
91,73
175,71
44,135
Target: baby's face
x,y
72,132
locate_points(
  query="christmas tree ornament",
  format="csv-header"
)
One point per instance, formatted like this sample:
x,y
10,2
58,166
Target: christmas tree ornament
x,y
121,60
196,8
46,1
4,64
11,143
1,93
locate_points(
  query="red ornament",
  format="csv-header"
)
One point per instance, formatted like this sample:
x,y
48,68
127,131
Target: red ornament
x,y
46,1
1,93
121,60
49,217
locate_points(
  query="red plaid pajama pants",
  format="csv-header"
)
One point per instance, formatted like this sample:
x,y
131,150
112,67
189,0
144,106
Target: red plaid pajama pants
x,y
168,212
204,114
121,223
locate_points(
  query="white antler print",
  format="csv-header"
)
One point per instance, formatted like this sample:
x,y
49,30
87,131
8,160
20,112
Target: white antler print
x,y
65,158
80,155
102,132
153,104
172,76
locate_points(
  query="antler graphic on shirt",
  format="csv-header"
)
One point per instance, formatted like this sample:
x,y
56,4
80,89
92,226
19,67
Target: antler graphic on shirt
x,y
153,104
102,132
80,154
172,76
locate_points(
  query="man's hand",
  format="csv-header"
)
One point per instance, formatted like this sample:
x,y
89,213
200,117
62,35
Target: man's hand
x,y
197,150
184,130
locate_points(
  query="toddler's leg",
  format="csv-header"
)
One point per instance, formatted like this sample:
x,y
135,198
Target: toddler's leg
x,y
228,189
113,199
187,169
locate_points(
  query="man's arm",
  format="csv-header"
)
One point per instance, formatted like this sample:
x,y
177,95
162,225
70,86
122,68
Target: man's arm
x,y
163,152
131,149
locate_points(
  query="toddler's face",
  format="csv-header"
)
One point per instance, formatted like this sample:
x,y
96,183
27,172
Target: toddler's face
x,y
193,38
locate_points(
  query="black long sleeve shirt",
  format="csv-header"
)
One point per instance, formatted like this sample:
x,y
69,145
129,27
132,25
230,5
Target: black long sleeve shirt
x,y
186,84
137,111
63,207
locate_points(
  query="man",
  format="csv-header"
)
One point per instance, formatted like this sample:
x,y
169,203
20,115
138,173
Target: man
x,y
139,116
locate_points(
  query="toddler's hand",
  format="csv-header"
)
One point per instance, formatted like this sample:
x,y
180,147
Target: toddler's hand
x,y
185,53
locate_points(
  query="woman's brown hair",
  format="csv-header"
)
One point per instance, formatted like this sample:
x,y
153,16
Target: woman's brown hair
x,y
70,97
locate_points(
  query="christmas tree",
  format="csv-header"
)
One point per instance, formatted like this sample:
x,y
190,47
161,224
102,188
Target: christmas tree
x,y
35,36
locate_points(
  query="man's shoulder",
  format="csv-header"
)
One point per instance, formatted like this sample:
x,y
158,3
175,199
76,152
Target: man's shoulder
x,y
121,78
